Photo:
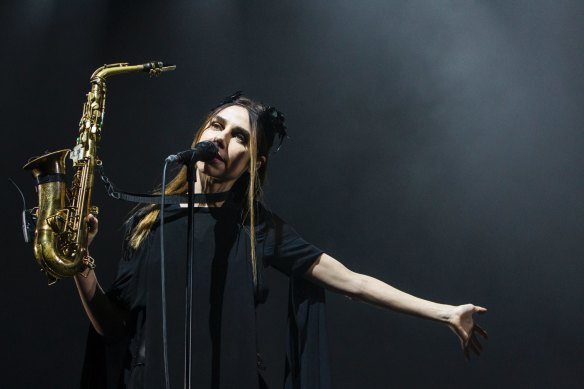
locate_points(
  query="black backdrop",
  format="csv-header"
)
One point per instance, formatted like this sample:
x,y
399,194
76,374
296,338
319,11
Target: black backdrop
x,y
435,145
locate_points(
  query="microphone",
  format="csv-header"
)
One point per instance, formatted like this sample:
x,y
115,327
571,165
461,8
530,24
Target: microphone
x,y
203,151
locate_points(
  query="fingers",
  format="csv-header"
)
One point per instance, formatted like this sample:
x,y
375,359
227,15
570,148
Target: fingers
x,y
480,310
92,223
464,339
473,344
481,331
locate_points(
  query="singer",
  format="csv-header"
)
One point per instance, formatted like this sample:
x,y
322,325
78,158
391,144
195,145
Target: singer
x,y
235,238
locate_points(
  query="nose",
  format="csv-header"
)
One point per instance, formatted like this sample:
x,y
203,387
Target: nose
x,y
219,139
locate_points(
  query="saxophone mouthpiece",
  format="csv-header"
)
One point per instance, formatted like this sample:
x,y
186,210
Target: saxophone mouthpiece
x,y
154,68
168,68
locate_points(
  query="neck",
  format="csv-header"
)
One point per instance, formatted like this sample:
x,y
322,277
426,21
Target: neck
x,y
203,185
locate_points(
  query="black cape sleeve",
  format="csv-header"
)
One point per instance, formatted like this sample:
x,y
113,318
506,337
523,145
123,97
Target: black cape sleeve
x,y
104,362
307,359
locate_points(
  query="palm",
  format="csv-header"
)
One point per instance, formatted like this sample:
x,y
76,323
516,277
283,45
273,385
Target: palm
x,y
463,325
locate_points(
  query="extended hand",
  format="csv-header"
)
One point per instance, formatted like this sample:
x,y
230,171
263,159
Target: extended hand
x,y
463,325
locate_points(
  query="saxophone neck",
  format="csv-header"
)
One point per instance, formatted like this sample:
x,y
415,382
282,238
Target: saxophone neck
x,y
153,68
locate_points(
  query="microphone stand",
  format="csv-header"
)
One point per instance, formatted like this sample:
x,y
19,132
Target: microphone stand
x,y
191,178
205,150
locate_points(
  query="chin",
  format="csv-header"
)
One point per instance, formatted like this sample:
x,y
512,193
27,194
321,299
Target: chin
x,y
213,176
209,167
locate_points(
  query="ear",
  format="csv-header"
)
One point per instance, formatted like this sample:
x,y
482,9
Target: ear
x,y
261,162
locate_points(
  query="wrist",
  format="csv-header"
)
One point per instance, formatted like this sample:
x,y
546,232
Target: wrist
x,y
445,313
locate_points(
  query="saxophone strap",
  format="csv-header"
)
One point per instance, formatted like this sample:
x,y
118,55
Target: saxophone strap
x,y
50,177
146,198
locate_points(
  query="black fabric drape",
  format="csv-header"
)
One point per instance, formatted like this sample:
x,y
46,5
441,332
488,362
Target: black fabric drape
x,y
226,319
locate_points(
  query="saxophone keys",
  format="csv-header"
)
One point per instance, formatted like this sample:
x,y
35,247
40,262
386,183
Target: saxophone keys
x,y
58,221
89,263
94,210
78,152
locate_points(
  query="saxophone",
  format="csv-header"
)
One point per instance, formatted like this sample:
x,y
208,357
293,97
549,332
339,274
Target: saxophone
x,y
60,242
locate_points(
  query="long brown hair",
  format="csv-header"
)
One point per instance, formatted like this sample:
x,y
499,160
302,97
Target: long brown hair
x,y
247,190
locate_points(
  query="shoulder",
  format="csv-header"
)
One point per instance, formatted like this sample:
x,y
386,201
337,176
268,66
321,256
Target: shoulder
x,y
269,221
275,229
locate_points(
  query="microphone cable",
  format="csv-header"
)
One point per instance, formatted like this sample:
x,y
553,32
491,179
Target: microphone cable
x,y
163,278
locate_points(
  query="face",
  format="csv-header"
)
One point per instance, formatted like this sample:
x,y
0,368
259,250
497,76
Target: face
x,y
231,132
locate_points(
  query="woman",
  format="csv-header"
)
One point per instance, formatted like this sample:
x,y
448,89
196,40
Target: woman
x,y
236,237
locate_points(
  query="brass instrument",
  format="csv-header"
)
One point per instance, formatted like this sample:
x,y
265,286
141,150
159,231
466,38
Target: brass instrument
x,y
60,244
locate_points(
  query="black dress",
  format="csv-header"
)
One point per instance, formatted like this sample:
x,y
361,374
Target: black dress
x,y
224,347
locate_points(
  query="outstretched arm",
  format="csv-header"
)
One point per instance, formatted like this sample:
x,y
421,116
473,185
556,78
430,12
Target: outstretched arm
x,y
333,275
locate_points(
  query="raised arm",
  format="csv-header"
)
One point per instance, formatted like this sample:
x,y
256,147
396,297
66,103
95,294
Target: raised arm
x,y
106,317
333,275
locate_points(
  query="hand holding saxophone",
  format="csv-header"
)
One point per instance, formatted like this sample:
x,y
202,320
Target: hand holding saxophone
x,y
92,228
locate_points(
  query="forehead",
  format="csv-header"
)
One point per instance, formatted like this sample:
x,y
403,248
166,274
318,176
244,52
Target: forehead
x,y
235,116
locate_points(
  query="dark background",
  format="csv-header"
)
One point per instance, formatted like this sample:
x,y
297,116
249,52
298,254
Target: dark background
x,y
436,145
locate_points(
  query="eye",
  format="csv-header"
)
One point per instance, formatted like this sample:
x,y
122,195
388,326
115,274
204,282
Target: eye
x,y
216,125
241,137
